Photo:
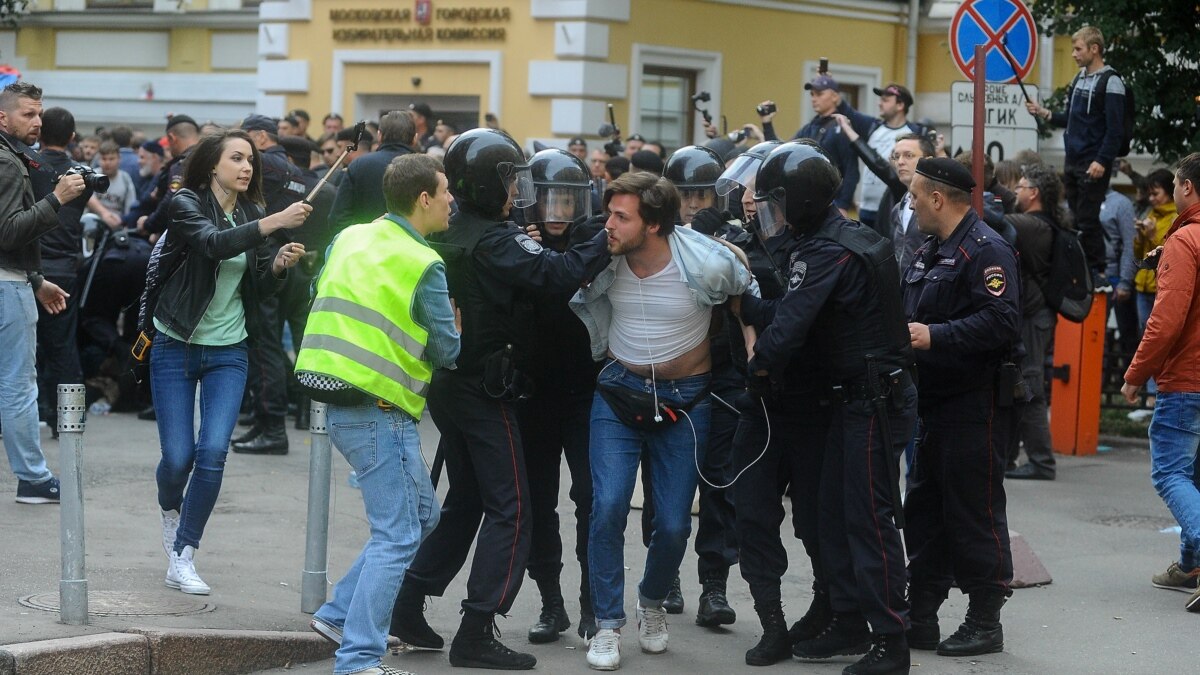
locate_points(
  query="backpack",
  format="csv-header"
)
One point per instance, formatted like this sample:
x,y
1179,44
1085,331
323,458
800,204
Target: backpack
x,y
1068,288
1130,105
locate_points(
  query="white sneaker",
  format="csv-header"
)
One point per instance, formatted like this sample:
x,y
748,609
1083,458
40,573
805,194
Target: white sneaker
x,y
170,524
181,573
652,629
604,650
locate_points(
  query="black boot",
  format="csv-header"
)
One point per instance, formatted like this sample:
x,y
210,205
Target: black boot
x,y
272,441
674,602
981,633
819,613
847,633
888,656
147,414
408,621
924,632
714,605
553,619
252,433
302,413
587,617
475,646
247,419
774,646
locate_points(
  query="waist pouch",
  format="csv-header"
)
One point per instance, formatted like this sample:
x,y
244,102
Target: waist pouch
x,y
501,379
637,409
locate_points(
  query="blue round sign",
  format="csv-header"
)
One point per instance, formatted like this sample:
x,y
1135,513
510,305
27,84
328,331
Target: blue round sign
x,y
998,25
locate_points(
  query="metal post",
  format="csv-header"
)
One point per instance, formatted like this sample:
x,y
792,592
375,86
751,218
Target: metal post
x,y
72,587
978,129
316,550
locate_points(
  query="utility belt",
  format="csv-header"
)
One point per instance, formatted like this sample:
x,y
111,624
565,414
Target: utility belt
x,y
1004,379
891,386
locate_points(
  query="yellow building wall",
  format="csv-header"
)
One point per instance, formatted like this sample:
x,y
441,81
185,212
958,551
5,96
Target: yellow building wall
x,y
37,45
190,50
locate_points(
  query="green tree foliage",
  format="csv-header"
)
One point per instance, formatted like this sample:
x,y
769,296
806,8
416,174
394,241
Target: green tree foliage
x,y
11,11
1153,45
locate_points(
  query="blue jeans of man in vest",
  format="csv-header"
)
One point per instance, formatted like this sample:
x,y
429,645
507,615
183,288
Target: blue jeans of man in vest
x,y
384,449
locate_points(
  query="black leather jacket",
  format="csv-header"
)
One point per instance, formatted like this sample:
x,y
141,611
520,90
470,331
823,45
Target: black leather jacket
x,y
198,237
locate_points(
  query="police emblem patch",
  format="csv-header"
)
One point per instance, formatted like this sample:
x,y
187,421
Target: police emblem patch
x,y
529,244
994,281
796,276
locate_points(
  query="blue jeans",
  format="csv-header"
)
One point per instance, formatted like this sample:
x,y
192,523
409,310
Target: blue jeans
x,y
673,451
1174,437
384,449
176,368
18,382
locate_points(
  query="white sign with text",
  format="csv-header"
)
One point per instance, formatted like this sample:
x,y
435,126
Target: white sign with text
x,y
1008,127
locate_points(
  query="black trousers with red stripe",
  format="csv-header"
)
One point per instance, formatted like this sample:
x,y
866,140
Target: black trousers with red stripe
x,y
957,530
485,466
860,545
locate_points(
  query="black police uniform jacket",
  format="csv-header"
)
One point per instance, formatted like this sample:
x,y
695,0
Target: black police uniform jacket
x,y
967,289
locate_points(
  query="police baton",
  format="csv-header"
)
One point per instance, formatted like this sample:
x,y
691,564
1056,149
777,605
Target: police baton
x,y
885,427
360,130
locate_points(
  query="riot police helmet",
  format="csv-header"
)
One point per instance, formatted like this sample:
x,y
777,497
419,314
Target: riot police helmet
x,y
488,174
562,185
742,170
694,171
795,186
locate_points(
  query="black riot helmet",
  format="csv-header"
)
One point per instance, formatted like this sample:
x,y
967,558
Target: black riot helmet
x,y
486,167
562,185
795,185
694,171
745,167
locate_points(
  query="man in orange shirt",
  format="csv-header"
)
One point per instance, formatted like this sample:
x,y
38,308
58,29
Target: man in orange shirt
x,y
1168,353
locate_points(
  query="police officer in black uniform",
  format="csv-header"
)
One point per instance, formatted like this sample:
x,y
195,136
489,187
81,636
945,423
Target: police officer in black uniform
x,y
493,269
843,303
694,171
962,296
182,135
269,367
554,422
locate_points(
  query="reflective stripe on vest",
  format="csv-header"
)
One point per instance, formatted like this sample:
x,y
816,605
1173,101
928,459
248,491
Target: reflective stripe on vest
x,y
361,328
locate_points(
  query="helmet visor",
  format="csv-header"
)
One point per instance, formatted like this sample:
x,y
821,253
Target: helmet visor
x,y
518,179
738,174
772,216
562,204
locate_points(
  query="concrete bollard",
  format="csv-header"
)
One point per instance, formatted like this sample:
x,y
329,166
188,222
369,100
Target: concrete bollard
x,y
72,587
316,542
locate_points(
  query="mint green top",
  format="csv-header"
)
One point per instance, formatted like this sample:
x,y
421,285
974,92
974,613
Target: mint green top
x,y
224,322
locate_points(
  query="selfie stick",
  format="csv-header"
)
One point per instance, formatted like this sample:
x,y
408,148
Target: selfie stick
x,y
360,130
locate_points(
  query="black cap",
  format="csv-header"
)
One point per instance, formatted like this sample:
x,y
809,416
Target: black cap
x,y
896,90
821,82
180,119
578,140
636,137
299,148
152,147
260,123
421,109
946,170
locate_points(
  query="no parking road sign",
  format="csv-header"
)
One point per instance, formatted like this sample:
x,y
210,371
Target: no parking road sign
x,y
994,24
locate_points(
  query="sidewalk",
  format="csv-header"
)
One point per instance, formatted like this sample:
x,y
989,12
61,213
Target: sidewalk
x,y
1096,529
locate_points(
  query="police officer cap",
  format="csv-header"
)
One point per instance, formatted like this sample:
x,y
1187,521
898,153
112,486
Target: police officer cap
x,y
578,140
948,171
260,123
299,148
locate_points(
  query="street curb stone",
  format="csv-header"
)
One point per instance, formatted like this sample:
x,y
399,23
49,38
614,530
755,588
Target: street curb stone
x,y
102,654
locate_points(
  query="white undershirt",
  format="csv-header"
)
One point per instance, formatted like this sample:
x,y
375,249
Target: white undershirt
x,y
882,141
654,319
906,212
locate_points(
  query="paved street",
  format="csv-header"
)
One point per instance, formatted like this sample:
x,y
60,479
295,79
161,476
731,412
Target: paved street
x,y
1096,529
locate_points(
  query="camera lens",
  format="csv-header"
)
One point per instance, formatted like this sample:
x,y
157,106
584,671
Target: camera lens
x,y
97,182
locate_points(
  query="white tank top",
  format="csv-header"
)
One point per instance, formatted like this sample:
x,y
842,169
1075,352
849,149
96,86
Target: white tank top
x,y
654,319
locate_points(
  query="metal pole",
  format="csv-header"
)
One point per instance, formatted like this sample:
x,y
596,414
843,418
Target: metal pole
x,y
72,587
316,542
910,61
978,130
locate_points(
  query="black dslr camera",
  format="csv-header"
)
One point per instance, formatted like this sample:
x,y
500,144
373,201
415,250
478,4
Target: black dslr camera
x,y
92,179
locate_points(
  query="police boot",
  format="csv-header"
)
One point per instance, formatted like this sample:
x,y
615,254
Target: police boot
x,y
587,616
774,646
924,632
553,619
819,613
981,633
252,433
272,441
408,621
846,633
714,606
674,601
888,656
475,646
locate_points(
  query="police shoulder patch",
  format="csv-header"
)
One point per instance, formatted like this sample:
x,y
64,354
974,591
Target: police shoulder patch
x,y
994,281
796,274
526,242
176,183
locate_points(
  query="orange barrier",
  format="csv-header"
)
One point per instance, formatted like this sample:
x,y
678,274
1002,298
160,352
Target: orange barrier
x,y
1075,387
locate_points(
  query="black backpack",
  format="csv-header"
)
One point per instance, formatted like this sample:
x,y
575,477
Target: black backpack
x,y
1068,288
1102,88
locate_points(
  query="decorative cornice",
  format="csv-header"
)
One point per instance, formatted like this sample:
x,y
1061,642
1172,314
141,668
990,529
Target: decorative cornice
x,y
246,19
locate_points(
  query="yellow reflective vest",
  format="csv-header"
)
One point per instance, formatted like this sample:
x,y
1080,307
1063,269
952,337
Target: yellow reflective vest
x,y
361,328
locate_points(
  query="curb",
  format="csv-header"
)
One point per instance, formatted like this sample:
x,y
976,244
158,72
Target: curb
x,y
158,651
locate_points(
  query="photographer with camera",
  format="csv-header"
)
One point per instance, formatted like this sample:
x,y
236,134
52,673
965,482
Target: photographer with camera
x,y
24,219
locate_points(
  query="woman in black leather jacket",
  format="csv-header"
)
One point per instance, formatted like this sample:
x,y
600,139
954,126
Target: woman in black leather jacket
x,y
219,259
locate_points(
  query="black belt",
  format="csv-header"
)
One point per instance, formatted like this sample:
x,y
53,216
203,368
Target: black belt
x,y
861,390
